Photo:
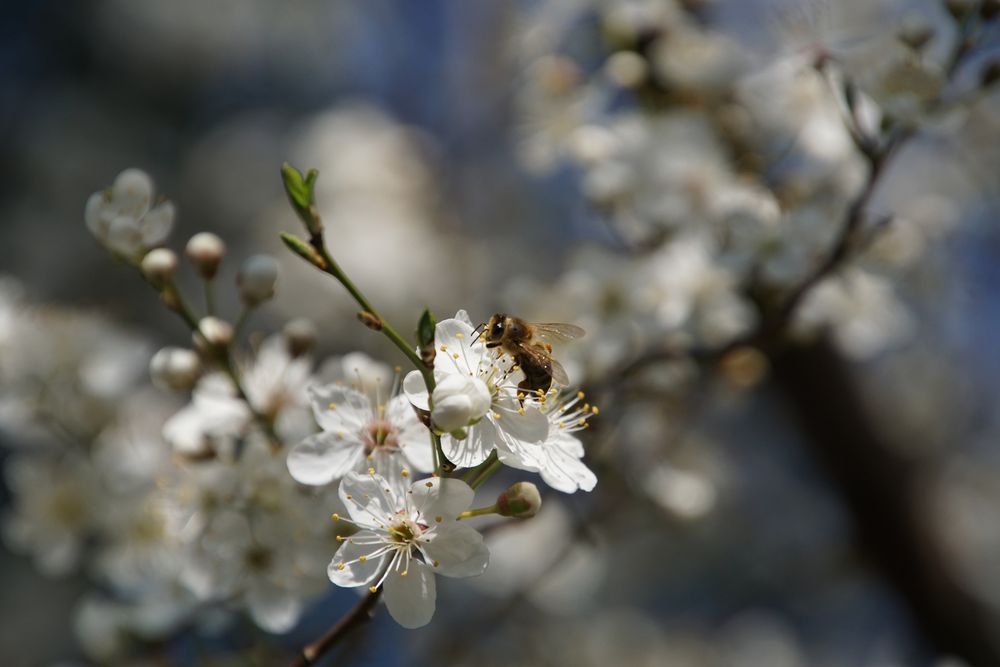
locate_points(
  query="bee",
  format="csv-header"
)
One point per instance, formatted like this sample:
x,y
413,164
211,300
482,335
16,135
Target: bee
x,y
530,346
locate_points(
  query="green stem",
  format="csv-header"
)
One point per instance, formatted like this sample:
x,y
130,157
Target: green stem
x,y
481,511
209,296
325,262
486,473
241,321
472,473
223,355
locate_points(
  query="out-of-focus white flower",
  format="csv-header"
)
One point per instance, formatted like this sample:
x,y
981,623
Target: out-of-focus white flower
x,y
404,540
357,435
123,219
860,309
275,384
159,266
55,510
512,429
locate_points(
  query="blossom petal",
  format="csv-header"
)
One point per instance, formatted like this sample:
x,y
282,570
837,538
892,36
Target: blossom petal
x,y
444,497
411,599
156,224
457,550
472,450
347,570
340,408
324,457
368,499
561,467
416,391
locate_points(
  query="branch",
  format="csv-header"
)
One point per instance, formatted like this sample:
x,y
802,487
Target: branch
x,y
882,490
360,614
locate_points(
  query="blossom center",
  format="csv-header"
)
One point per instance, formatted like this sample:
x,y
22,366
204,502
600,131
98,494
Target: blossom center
x,y
380,433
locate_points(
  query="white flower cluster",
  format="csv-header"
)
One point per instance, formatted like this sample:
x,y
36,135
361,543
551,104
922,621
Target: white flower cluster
x,y
727,183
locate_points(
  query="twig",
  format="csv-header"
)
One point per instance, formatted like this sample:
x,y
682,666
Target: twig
x,y
360,614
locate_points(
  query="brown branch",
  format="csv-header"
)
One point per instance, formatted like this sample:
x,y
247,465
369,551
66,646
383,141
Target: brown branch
x,y
360,614
883,489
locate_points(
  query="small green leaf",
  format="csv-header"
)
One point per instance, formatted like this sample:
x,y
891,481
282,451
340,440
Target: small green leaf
x,y
303,250
425,329
302,196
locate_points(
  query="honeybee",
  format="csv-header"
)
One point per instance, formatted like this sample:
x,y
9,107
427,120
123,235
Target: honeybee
x,y
530,346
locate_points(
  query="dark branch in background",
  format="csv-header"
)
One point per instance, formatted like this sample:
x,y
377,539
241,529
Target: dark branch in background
x,y
360,614
883,489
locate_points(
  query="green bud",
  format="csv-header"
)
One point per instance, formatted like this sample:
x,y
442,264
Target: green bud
x,y
302,196
425,336
522,500
303,250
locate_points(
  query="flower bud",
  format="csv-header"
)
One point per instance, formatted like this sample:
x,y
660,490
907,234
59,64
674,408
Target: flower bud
x,y
458,401
256,279
175,368
627,69
300,336
522,500
159,266
205,250
215,332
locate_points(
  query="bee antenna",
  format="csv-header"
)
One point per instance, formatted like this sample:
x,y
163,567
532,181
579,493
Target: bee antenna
x,y
478,330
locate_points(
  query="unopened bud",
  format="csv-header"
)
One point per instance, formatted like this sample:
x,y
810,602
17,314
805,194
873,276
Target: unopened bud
x,y
205,250
369,320
627,69
256,279
175,368
300,336
159,266
522,500
215,332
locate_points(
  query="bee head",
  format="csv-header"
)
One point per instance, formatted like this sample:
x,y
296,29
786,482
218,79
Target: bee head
x,y
495,327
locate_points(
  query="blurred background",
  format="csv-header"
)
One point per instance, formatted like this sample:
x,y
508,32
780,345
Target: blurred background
x,y
823,492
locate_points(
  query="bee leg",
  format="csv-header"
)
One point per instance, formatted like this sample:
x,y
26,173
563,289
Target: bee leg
x,y
492,345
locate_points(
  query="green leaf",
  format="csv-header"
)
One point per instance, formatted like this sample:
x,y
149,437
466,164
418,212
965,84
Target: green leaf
x,y
425,329
301,193
303,250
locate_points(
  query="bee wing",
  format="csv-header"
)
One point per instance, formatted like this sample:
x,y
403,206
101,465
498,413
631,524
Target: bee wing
x,y
559,332
559,373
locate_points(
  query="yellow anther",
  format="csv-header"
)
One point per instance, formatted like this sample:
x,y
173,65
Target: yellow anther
x,y
540,392
562,424
582,421
594,410
373,589
496,415
455,355
520,410
520,395
438,519
398,369
362,559
404,472
436,563
332,406
335,516
371,471
580,395
341,566
349,497
340,538
459,335
404,573
429,485
444,348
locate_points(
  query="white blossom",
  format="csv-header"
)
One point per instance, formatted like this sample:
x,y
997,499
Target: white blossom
x,y
404,540
357,435
123,217
506,425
